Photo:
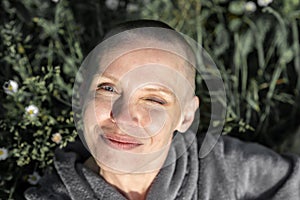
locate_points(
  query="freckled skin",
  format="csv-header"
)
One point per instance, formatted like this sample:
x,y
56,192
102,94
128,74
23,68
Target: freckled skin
x,y
141,97
168,65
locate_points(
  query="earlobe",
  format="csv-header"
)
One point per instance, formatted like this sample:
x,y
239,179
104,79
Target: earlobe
x,y
188,115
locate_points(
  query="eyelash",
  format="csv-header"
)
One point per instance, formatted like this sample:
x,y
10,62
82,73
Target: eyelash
x,y
156,100
106,87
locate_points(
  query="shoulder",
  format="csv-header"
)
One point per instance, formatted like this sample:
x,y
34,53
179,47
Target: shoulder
x,y
248,170
234,150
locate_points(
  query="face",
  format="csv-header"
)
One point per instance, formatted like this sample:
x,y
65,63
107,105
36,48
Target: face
x,y
136,104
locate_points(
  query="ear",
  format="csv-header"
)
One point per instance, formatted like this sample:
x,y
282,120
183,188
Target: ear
x,y
188,114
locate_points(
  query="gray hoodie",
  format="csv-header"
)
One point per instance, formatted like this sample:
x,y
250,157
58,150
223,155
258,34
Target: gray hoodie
x,y
232,170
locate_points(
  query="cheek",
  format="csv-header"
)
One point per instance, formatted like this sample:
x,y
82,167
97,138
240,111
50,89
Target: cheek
x,y
164,137
102,109
99,110
174,116
171,119
95,114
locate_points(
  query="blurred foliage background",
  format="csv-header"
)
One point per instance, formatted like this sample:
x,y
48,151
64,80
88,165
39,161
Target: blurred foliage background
x,y
254,43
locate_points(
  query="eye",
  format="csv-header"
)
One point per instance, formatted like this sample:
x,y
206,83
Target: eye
x,y
156,100
106,87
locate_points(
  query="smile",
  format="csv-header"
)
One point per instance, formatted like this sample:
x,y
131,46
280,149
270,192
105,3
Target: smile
x,y
120,142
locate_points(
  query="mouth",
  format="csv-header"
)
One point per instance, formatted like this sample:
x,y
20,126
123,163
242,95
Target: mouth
x,y
121,142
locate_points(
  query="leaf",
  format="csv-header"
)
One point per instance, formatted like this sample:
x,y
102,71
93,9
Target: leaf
x,y
236,7
235,24
287,56
247,43
222,40
253,104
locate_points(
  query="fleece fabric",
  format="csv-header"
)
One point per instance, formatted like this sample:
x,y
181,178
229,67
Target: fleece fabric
x,y
232,170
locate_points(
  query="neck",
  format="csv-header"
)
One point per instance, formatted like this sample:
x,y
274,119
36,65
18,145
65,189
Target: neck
x,y
132,186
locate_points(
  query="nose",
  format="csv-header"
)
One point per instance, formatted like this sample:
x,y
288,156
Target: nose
x,y
126,111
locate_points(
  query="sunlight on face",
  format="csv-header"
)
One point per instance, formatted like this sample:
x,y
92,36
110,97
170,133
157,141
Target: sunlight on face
x,y
134,108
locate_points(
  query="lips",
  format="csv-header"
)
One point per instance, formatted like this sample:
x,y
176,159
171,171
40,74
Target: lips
x,y
121,142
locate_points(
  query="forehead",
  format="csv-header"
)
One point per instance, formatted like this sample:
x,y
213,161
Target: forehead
x,y
145,57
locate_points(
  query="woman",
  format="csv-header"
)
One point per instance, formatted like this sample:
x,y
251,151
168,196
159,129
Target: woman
x,y
135,110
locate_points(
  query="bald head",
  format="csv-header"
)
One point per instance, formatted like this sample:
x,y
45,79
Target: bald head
x,y
132,36
149,33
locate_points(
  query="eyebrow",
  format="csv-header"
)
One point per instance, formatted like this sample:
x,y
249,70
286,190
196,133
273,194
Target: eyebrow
x,y
159,89
107,76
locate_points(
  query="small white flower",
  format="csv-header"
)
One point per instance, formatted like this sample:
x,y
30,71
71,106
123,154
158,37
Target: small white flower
x,y
112,4
250,6
55,1
33,178
264,3
10,87
3,153
132,7
56,137
32,110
